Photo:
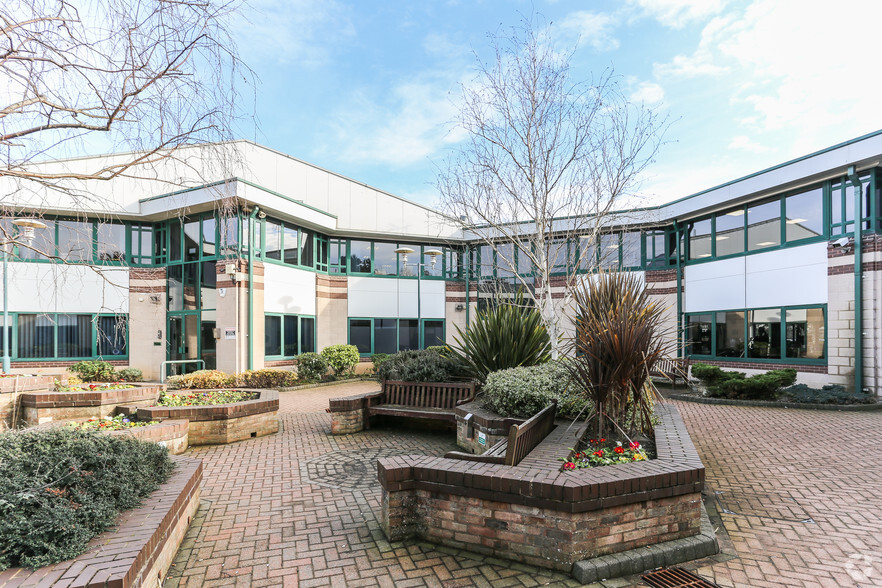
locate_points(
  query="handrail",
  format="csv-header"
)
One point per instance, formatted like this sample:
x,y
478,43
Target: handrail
x,y
164,363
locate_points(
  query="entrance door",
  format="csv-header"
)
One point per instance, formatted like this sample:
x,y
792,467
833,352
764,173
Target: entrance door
x,y
183,343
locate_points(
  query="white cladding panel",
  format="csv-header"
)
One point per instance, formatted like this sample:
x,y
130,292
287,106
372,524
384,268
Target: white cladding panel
x,y
786,277
388,298
53,287
288,290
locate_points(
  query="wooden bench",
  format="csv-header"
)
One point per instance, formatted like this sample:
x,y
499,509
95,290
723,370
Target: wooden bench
x,y
671,369
522,439
426,400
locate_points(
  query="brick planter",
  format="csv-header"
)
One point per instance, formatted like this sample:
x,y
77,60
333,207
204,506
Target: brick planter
x,y
44,407
536,514
172,434
223,423
11,389
139,550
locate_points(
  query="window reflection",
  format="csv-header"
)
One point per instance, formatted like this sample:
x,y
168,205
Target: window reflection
x,y
804,214
729,235
764,333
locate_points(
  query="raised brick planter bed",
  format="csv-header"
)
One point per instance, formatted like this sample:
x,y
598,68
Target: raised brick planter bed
x,y
536,514
43,407
172,434
223,423
139,551
10,390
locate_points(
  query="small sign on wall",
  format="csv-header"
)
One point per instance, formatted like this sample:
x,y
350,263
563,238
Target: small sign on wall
x,y
229,332
482,438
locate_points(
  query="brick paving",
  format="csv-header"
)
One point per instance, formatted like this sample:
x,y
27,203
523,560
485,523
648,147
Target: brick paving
x,y
299,508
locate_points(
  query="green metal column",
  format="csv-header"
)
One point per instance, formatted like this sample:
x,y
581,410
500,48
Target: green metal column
x,y
251,287
858,281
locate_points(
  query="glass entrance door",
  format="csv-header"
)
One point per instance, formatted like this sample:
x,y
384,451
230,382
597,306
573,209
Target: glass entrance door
x,y
183,343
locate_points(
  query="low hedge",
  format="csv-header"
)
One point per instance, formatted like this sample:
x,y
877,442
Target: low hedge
x,y
523,391
60,487
214,379
423,365
735,385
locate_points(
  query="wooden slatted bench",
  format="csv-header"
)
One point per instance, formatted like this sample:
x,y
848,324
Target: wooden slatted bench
x,y
522,439
426,400
671,369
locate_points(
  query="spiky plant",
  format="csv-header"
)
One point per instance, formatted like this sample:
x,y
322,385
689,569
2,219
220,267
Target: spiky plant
x,y
508,335
617,340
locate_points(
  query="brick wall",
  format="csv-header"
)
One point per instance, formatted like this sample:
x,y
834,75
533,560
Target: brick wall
x,y
43,407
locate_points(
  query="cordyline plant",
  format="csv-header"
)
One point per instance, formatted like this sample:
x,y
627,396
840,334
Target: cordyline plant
x,y
508,335
617,341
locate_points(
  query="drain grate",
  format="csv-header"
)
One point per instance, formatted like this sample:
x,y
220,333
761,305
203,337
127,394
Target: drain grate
x,y
676,578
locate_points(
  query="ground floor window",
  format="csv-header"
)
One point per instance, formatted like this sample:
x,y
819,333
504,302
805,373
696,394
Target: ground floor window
x,y
785,333
288,335
389,335
67,336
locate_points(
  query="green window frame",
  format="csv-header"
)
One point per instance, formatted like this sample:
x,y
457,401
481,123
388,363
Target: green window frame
x,y
58,336
391,335
296,335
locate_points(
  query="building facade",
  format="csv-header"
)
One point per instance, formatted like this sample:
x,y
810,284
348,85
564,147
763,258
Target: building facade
x,y
247,264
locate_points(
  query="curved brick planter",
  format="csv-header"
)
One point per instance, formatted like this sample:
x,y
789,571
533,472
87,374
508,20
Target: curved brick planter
x,y
172,434
11,388
537,514
223,423
44,407
139,550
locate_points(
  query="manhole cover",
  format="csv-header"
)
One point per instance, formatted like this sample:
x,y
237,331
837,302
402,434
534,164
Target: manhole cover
x,y
348,469
771,506
676,578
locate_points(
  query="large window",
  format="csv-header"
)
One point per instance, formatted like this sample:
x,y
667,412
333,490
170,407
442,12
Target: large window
x,y
389,335
764,225
729,233
700,239
111,242
288,335
804,215
75,240
68,336
360,257
778,334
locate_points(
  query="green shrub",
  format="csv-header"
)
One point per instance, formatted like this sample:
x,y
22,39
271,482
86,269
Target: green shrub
x,y
174,382
735,385
267,378
207,379
505,336
311,367
711,375
60,487
379,359
341,358
130,375
420,365
440,349
829,394
94,371
524,391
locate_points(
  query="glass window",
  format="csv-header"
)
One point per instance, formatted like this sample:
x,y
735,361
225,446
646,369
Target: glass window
x,y
273,247
307,335
408,334
209,285
505,260
433,333
385,336
729,234
307,248
111,242
764,225
36,334
700,239
292,245
698,334
631,256
588,259
321,261
386,260
191,286
360,257
337,256
730,334
8,334
142,244
656,249
805,333
75,240
804,215
764,333
191,240
433,270
43,244
160,244
74,335
453,263
112,335
174,241
229,236
175,287
290,335
487,261
557,256
609,251
272,335
525,264
209,237
360,335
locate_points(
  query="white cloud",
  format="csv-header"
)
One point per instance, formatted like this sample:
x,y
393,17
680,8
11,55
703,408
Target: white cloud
x,y
678,13
648,93
592,28
744,143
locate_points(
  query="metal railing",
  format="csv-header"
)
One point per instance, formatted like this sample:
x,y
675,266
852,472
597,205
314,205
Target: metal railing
x,y
162,366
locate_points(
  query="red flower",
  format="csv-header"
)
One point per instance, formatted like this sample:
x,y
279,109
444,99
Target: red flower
x,y
634,445
592,441
569,466
619,449
603,440
598,453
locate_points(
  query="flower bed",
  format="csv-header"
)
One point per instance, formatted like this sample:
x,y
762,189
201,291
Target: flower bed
x,y
139,550
600,452
205,398
223,423
83,403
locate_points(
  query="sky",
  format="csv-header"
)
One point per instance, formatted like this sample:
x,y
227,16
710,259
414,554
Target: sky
x,y
369,89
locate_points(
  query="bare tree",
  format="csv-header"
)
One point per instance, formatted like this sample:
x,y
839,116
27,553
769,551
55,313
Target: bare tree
x,y
143,77
544,162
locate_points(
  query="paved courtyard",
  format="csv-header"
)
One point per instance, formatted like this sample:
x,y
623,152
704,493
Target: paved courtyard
x,y
799,493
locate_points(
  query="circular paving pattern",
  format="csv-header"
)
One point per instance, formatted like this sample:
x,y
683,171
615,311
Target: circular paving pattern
x,y
350,469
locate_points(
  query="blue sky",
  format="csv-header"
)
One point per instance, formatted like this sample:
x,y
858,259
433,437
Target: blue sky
x,y
368,89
